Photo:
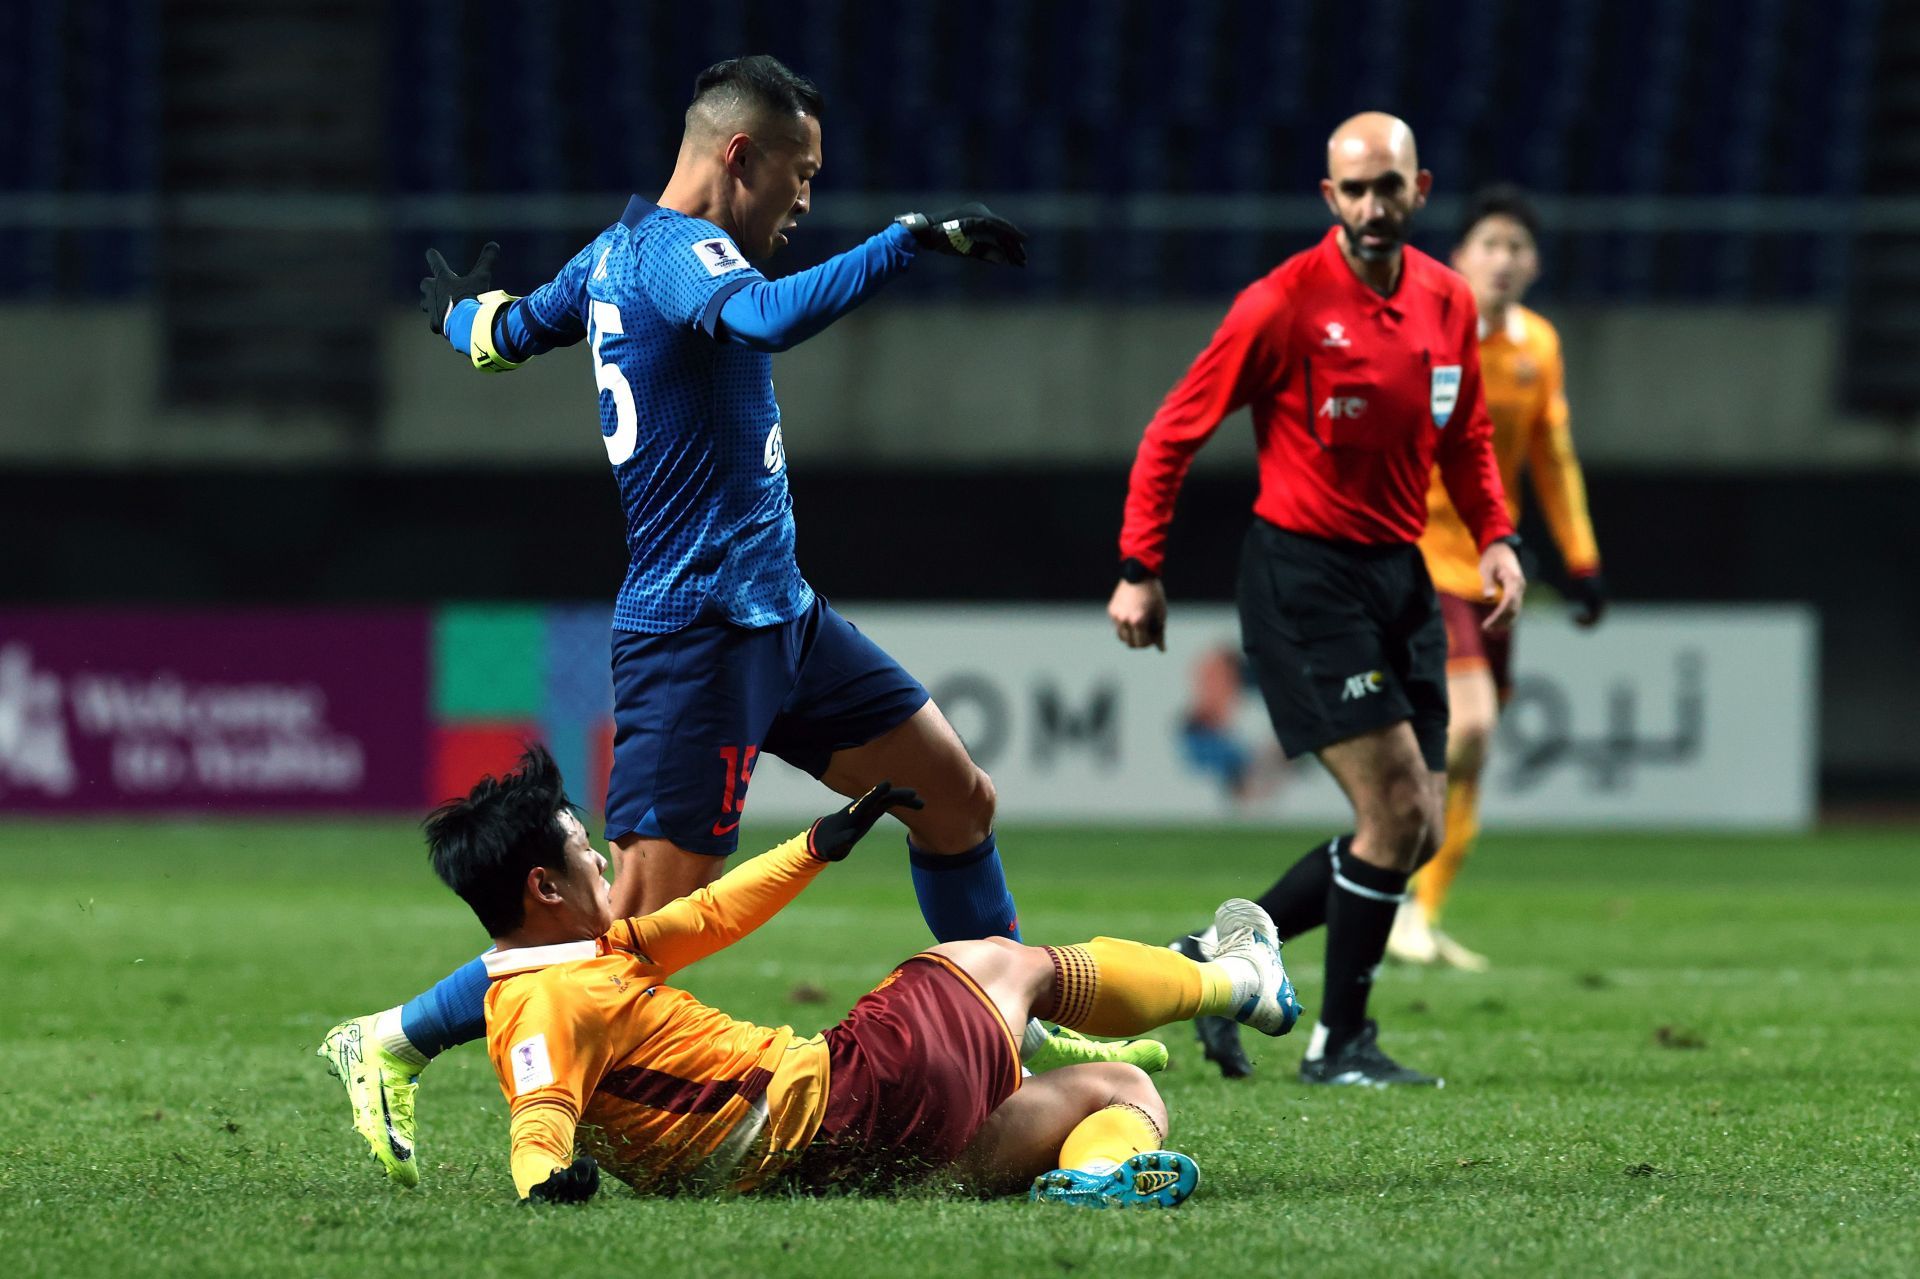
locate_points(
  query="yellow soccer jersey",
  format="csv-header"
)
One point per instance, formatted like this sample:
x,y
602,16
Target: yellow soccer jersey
x,y
669,1094
1525,383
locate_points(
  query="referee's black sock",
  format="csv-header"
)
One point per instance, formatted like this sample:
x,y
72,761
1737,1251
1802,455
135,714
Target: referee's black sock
x,y
1298,899
1360,910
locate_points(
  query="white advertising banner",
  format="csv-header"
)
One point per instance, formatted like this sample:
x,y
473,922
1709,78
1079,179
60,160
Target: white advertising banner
x,y
1661,717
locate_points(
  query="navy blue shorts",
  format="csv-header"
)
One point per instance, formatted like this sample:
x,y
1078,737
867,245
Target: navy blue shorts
x,y
693,710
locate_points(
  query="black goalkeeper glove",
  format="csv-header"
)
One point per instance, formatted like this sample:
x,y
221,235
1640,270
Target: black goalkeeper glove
x,y
439,291
1589,595
574,1184
833,836
970,231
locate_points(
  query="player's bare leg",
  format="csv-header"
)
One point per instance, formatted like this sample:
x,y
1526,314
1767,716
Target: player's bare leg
x,y
649,873
1417,937
1091,1135
1023,1137
956,861
927,754
1395,796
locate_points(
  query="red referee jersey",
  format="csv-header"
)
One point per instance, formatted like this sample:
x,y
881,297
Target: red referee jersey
x,y
1355,397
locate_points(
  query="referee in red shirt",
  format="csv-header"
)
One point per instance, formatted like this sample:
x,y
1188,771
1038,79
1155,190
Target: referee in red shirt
x,y
1360,360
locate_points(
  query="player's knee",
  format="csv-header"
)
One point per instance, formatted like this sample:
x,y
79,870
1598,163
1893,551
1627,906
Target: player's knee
x,y
1000,962
997,951
1467,745
1107,1083
956,820
981,800
980,958
1404,816
1131,1086
1431,838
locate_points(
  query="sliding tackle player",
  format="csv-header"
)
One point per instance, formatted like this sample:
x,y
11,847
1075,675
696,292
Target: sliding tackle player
x,y
604,1063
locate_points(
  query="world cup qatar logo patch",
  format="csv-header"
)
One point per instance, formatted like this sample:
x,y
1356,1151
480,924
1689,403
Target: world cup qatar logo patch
x,y
532,1068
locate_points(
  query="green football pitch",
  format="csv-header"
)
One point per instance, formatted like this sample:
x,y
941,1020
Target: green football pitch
x,y
1694,1055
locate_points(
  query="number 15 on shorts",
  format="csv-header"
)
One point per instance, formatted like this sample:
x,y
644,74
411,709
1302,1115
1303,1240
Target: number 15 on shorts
x,y
739,762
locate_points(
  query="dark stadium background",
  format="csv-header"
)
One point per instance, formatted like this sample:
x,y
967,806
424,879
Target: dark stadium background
x,y
213,215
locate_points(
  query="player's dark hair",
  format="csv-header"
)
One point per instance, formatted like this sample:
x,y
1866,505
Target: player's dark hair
x,y
482,846
762,81
1502,200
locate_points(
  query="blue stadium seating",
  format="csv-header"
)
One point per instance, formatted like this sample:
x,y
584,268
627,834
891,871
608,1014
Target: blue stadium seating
x,y
1723,101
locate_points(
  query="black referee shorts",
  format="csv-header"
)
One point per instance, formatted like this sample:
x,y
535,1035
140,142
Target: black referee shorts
x,y
1345,638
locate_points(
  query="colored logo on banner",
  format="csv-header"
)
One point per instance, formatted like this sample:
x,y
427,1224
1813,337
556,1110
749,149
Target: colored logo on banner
x,y
508,675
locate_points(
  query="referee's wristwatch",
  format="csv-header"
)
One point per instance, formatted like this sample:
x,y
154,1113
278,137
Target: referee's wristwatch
x,y
1511,539
1132,570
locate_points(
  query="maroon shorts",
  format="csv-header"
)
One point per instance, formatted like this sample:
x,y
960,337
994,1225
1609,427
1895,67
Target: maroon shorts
x,y
916,1068
1471,648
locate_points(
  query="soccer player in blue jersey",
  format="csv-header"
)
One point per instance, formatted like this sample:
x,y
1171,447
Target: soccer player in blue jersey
x,y
721,650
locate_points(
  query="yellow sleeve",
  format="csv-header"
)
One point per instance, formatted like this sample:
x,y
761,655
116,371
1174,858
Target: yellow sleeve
x,y
550,1054
720,914
542,1142
1557,481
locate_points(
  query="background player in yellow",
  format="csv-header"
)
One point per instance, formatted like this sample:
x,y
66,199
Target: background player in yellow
x,y
1520,366
602,1061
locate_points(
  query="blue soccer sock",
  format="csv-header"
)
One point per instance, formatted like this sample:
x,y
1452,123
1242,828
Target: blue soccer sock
x,y
964,897
453,1012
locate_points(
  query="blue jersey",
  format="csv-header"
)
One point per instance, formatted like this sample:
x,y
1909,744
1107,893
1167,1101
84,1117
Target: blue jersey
x,y
690,424
686,407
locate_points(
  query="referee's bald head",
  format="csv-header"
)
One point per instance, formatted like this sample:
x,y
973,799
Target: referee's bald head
x,y
757,95
1374,186
1372,139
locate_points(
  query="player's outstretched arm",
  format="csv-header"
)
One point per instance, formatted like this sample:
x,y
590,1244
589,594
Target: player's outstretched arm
x,y
1245,355
773,315
713,918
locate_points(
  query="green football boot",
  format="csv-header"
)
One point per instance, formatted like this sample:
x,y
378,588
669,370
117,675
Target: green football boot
x,y
380,1089
1065,1047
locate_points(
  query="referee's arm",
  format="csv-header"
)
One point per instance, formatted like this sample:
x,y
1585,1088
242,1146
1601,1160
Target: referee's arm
x,y
1233,367
1471,471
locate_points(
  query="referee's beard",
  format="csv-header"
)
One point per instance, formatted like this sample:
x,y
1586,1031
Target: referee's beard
x,y
1387,247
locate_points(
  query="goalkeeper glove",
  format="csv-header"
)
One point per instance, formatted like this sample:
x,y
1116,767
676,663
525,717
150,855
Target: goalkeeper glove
x,y
970,231
439,291
574,1184
1589,595
833,836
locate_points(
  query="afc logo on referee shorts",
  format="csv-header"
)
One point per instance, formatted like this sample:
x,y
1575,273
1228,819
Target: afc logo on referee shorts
x,y
1365,684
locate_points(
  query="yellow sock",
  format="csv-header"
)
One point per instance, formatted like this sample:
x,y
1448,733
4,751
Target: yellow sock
x,y
1113,987
1108,1137
1435,880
